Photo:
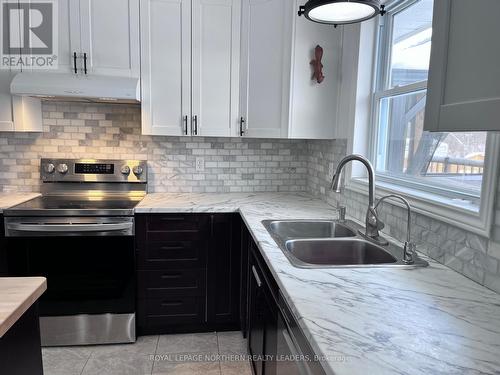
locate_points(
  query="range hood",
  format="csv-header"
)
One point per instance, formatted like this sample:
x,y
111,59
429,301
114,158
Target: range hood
x,y
62,86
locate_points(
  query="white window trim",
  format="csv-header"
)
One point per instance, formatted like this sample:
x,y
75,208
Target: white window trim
x,y
478,220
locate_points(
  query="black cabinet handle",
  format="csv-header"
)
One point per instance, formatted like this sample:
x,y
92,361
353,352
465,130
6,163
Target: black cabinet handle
x,y
172,247
173,303
186,125
85,63
175,218
242,126
195,121
74,63
256,276
171,277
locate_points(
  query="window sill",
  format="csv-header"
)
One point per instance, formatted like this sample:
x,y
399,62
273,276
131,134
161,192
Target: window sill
x,y
465,216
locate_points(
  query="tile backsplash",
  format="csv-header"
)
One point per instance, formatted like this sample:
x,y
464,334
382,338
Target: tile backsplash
x,y
78,130
476,257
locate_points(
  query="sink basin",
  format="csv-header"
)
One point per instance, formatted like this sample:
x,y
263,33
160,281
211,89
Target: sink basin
x,y
285,229
333,244
338,252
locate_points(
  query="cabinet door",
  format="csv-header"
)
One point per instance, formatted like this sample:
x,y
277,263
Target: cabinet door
x,y
216,39
68,33
464,77
224,271
256,316
17,113
166,66
265,66
6,75
262,334
6,110
110,36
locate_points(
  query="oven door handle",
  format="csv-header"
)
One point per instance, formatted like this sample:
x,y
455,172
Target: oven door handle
x,y
65,228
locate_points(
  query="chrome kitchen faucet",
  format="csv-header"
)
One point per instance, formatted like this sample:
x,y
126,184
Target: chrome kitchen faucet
x,y
372,223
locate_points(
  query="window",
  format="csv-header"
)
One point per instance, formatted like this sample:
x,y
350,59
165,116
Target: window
x,y
450,166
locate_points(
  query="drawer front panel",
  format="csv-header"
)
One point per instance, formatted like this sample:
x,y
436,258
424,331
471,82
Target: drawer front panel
x,y
173,254
176,223
171,283
173,310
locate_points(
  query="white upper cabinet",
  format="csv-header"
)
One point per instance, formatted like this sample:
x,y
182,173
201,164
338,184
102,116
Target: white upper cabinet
x,y
18,114
103,35
6,104
166,67
190,67
68,34
215,66
110,37
279,98
464,77
265,66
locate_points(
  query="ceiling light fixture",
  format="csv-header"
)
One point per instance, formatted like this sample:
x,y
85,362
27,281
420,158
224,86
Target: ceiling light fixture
x,y
341,12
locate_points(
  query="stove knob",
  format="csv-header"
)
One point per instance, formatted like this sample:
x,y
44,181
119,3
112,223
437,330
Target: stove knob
x,y
138,170
62,168
49,168
125,170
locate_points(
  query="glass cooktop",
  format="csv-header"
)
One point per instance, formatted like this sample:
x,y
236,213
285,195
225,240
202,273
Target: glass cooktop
x,y
76,205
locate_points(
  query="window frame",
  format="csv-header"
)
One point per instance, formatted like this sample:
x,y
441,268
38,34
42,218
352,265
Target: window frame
x,y
431,201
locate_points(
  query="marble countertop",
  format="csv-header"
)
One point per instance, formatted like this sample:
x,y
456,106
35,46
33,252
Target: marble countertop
x,y
17,294
8,200
378,321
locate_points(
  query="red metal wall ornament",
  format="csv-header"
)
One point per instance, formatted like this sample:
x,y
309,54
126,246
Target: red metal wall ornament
x,y
317,65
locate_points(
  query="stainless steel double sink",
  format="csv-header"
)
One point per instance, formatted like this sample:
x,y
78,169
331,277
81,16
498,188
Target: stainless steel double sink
x,y
331,244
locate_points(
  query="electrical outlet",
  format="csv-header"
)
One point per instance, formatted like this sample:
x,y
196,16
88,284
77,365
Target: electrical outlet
x,y
200,164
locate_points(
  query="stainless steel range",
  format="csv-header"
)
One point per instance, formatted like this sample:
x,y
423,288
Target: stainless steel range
x,y
80,235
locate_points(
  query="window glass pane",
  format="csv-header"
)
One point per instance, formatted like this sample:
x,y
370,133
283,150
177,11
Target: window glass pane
x,y
453,161
411,44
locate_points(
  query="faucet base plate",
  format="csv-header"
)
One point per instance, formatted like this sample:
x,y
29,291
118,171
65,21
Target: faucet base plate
x,y
379,240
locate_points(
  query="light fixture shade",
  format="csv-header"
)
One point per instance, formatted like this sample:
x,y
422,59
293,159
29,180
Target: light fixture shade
x,y
340,12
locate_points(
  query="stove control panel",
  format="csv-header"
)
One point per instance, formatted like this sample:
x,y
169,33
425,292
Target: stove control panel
x,y
93,170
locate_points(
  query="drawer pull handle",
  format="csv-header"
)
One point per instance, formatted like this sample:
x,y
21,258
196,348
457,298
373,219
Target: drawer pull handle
x,y
256,277
172,218
173,303
170,276
172,248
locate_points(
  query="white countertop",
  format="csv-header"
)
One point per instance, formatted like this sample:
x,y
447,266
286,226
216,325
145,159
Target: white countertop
x,y
8,200
367,321
17,294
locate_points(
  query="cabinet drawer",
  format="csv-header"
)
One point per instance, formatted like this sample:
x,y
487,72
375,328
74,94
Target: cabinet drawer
x,y
171,283
175,223
173,254
171,311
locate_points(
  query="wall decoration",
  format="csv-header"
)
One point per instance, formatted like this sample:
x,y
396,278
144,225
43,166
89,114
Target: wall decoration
x,y
317,65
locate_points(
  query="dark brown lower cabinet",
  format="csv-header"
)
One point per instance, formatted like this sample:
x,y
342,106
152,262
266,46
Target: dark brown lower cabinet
x,y
203,272
262,319
275,341
188,273
20,347
3,250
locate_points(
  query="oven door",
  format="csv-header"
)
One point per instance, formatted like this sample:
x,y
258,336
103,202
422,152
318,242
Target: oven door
x,y
90,283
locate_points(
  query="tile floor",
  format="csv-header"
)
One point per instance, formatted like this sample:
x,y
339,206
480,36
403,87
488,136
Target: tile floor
x,y
215,353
